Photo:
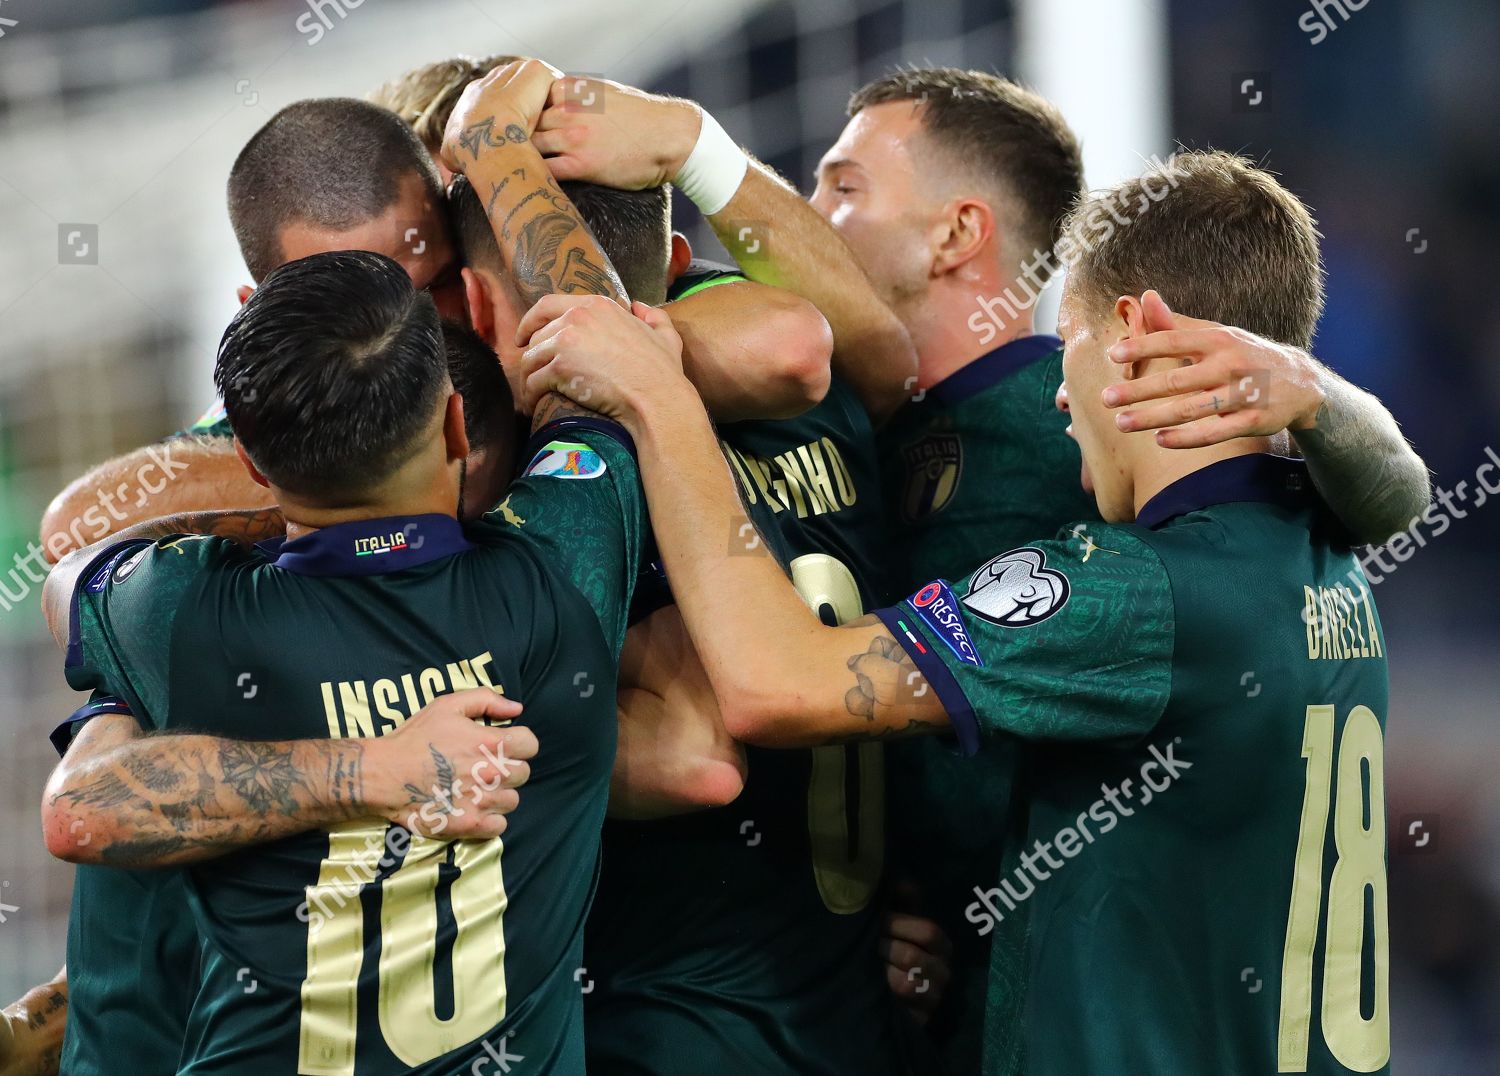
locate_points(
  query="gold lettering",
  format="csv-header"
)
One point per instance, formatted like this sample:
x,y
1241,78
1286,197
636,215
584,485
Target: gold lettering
x,y
356,704
792,480
1310,619
1375,648
841,475
385,695
816,469
409,687
330,711
737,465
431,681
461,676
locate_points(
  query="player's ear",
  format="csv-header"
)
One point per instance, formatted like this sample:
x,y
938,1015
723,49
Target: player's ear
x,y
455,438
682,256
966,229
1130,320
244,291
260,479
480,305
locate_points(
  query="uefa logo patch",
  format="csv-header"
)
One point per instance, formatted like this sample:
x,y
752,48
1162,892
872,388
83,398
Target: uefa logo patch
x,y
1017,589
936,607
565,459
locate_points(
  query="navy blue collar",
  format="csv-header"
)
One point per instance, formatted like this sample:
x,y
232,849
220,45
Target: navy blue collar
x,y
992,367
369,546
1256,477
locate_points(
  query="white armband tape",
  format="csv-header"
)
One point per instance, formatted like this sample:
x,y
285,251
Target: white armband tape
x,y
714,170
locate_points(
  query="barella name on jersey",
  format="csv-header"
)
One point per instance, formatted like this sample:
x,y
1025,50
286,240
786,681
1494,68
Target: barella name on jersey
x,y
1340,623
364,708
811,479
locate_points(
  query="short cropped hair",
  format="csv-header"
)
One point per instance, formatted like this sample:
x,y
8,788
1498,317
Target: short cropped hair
x,y
633,228
474,369
334,162
331,372
998,130
425,96
1216,235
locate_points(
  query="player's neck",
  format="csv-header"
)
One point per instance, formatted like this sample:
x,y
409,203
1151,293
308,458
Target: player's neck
x,y
1157,468
406,496
958,323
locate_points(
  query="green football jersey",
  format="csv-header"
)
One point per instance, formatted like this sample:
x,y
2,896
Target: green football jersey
x,y
1204,693
978,462
746,937
368,949
132,958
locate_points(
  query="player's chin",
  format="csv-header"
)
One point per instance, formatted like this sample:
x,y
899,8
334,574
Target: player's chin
x,y
1084,478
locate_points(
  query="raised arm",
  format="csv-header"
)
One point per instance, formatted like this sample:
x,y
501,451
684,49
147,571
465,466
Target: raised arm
x,y
781,676
675,754
31,1030
640,140
753,351
1236,384
185,474
246,526
126,799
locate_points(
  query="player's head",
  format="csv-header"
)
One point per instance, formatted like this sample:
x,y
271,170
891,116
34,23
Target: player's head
x,y
342,174
633,228
1220,239
944,175
425,97
489,417
335,380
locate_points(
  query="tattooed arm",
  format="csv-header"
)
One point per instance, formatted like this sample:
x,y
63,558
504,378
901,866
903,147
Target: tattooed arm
x,y
128,799
156,480
544,243
31,1030
782,677
246,526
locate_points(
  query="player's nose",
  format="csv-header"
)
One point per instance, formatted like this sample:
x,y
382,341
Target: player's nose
x,y
1061,399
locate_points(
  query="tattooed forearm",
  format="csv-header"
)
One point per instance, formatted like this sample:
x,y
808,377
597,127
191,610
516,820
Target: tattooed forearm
x,y
1361,464
554,406
478,137
880,673
543,241
166,799
36,1022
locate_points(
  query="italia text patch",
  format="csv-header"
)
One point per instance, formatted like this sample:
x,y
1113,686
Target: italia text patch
x,y
566,459
936,606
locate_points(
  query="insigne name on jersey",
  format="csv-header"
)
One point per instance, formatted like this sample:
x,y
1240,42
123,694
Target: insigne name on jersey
x,y
1017,589
565,459
933,467
938,609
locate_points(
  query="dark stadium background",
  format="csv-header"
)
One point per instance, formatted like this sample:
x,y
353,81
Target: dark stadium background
x,y
125,116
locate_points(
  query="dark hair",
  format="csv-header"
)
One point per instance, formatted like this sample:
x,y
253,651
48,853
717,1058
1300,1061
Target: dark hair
x,y
1220,239
335,162
331,372
633,228
474,369
996,129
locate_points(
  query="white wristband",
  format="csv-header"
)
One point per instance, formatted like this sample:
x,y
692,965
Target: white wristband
x,y
714,170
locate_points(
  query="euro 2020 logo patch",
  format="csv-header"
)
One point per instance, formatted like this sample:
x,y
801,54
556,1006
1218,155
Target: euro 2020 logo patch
x,y
1017,589
566,459
933,467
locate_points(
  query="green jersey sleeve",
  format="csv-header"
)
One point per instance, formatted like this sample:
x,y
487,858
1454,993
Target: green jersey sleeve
x,y
1069,639
579,505
123,612
212,423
